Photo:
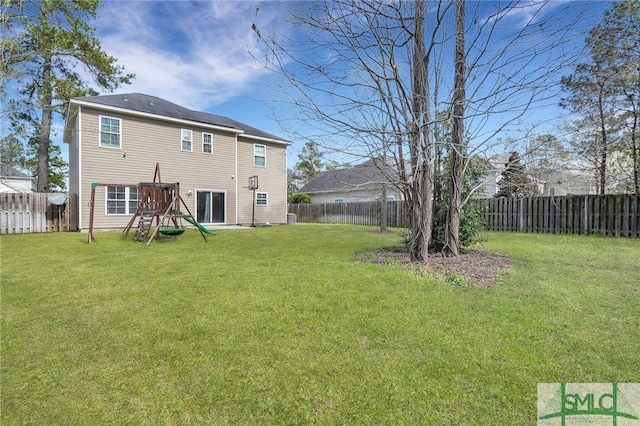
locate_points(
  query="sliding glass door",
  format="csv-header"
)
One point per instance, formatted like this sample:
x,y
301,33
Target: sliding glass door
x,y
210,207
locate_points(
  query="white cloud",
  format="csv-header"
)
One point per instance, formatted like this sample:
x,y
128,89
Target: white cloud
x,y
523,13
193,53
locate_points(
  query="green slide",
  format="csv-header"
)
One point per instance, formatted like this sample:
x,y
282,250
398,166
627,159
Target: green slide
x,y
193,222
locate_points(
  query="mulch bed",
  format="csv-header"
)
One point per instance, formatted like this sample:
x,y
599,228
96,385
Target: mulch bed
x,y
480,268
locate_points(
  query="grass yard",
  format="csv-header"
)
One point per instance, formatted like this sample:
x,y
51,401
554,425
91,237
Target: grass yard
x,y
282,325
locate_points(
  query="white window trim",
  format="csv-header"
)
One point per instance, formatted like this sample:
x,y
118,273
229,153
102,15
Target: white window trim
x,y
100,117
203,144
182,139
127,200
266,199
254,155
221,191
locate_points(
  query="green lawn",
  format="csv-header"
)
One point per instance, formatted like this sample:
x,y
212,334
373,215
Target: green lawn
x,y
282,325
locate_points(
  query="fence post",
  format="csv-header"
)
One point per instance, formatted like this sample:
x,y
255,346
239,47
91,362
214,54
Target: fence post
x,y
521,215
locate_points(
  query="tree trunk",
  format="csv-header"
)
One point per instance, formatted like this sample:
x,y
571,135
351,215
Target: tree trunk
x,y
635,147
420,146
452,231
603,140
384,209
44,132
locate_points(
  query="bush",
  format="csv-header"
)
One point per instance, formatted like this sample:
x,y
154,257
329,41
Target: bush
x,y
471,217
299,198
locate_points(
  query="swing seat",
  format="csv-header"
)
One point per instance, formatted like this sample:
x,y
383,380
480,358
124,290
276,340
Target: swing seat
x,y
172,231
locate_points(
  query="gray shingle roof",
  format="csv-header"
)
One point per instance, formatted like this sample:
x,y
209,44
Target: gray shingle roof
x,y
153,105
362,176
7,170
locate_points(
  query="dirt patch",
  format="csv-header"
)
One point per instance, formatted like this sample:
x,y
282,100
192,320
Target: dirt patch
x,y
472,268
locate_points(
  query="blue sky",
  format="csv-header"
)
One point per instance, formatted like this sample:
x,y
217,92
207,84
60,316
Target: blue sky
x,y
197,53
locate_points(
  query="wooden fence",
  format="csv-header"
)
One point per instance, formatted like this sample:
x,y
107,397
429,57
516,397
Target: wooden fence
x,y
613,215
358,213
22,213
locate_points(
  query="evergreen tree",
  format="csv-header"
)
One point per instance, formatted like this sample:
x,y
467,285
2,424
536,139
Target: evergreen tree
x,y
604,86
471,213
622,27
47,41
514,180
310,163
57,170
12,152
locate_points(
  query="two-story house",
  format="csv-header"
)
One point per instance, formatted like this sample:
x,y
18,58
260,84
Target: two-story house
x,y
117,140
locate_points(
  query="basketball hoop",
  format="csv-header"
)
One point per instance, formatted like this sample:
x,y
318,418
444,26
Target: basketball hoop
x,y
253,183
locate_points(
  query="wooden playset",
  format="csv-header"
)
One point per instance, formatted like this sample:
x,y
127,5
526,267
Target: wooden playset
x,y
159,211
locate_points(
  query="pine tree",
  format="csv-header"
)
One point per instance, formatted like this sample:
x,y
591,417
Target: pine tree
x,y
514,180
604,86
49,41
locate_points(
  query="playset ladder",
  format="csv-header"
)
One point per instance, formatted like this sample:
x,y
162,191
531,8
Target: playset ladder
x,y
144,225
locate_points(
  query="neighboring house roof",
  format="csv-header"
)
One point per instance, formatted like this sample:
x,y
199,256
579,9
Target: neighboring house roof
x,y
7,170
153,105
12,180
362,176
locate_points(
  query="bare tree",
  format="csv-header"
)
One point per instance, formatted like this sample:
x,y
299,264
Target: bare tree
x,y
367,79
362,71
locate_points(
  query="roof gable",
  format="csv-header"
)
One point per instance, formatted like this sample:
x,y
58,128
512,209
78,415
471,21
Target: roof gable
x,y
362,176
153,105
7,170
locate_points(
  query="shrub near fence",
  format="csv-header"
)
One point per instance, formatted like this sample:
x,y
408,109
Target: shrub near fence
x,y
613,215
22,213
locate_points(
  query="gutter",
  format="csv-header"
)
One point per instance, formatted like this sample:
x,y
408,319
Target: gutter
x,y
154,116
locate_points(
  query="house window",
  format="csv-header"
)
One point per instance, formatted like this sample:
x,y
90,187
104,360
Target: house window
x,y
259,155
207,143
186,140
109,132
121,200
261,198
338,201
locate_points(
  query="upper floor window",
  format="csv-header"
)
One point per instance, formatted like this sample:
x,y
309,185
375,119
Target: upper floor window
x,y
207,143
261,198
187,139
122,200
259,155
110,132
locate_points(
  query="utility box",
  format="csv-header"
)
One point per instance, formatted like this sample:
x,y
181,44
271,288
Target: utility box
x,y
291,218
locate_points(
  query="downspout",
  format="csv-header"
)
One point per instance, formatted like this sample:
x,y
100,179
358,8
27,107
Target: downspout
x,y
79,149
286,188
236,180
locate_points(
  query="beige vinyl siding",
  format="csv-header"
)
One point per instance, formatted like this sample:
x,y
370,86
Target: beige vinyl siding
x,y
145,142
271,179
353,196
